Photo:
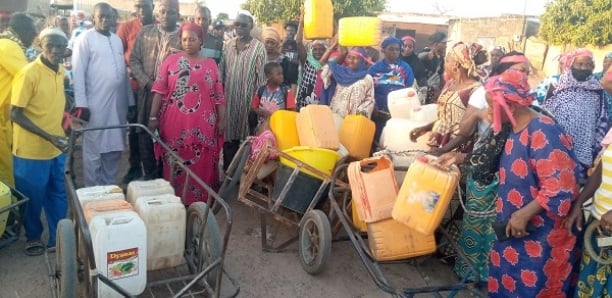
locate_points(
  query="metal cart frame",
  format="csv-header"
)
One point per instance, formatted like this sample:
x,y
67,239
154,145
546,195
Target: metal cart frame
x,y
75,262
17,210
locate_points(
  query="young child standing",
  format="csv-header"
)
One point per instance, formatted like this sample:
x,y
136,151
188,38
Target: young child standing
x,y
271,97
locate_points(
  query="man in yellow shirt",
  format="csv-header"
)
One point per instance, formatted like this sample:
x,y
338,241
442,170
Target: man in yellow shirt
x,y
37,106
13,43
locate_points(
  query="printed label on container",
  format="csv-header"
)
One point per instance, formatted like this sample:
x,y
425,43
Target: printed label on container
x,y
428,200
122,263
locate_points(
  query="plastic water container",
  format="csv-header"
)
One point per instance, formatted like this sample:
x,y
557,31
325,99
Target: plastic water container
x,y
92,209
357,135
316,128
165,219
373,188
390,240
5,200
321,159
426,114
359,31
425,195
318,19
120,250
402,103
155,187
101,192
396,136
283,126
357,222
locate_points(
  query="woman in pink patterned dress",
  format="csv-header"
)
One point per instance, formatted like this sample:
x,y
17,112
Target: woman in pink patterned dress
x,y
188,109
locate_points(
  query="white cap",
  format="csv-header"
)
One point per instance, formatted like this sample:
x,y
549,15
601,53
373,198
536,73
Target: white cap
x,y
51,31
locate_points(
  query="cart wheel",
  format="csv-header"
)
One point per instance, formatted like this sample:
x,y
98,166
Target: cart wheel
x,y
203,243
588,244
315,242
232,176
65,260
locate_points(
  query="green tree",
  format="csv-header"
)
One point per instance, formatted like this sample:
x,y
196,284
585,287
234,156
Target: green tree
x,y
222,17
577,22
271,11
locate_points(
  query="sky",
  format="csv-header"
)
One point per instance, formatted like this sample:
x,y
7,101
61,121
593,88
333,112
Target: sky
x,y
461,8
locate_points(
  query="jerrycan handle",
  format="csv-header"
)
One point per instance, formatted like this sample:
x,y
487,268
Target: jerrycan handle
x,y
372,161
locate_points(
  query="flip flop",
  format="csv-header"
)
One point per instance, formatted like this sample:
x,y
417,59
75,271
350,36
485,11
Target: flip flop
x,y
34,248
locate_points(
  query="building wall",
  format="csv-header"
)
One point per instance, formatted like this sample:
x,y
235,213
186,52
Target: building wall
x,y
422,31
507,31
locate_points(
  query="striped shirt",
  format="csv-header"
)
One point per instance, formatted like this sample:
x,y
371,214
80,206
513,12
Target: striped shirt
x,y
602,200
242,73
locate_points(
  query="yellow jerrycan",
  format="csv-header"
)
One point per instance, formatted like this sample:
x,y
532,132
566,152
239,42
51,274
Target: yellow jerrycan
x,y
359,31
283,126
316,127
391,240
357,135
318,19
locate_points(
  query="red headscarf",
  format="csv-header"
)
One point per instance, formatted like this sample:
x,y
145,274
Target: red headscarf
x,y
510,86
408,37
187,26
568,59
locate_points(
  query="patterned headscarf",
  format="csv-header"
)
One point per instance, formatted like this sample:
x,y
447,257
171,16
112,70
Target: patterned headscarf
x,y
510,86
476,48
271,33
409,38
568,59
461,53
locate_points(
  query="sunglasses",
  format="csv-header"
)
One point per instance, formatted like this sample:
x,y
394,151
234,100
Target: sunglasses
x,y
241,25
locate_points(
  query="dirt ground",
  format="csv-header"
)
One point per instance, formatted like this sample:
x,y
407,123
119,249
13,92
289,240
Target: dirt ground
x,y
259,274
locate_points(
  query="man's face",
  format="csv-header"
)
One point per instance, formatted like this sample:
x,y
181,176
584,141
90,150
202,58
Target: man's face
x,y
243,26
53,48
168,15
203,19
218,32
144,11
104,18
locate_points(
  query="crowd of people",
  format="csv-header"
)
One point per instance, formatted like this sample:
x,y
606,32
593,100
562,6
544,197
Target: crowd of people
x,y
531,159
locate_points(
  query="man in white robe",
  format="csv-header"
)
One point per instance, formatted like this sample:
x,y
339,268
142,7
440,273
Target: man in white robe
x,y
102,91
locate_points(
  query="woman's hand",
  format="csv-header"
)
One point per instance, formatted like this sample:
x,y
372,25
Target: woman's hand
x,y
153,124
576,216
221,127
416,133
517,225
605,222
450,158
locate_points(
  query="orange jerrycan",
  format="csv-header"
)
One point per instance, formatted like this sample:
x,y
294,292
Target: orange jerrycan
x,y
283,126
93,208
357,134
425,195
359,31
316,127
373,188
391,240
318,19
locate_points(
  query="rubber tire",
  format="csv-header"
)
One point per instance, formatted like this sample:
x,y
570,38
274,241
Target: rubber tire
x,y
314,258
202,252
228,186
588,245
66,260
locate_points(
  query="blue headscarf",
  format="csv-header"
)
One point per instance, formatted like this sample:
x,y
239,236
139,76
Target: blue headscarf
x,y
391,40
345,76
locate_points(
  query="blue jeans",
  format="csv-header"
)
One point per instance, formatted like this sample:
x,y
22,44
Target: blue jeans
x,y
42,181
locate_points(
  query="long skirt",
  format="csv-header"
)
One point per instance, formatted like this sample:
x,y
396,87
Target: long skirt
x,y
477,234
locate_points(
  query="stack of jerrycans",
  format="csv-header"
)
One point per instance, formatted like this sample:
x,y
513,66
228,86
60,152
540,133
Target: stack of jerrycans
x,y
119,238
165,217
374,192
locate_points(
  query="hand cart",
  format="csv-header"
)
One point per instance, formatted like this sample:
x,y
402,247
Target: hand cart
x,y
314,235
75,272
340,200
15,213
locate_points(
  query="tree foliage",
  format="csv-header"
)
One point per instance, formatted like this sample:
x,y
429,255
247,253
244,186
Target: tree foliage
x,y
271,11
577,22
222,17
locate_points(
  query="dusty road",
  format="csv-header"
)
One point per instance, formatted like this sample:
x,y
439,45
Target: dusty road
x,y
259,274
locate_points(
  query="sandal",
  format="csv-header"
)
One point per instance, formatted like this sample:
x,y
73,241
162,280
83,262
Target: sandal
x,y
34,248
